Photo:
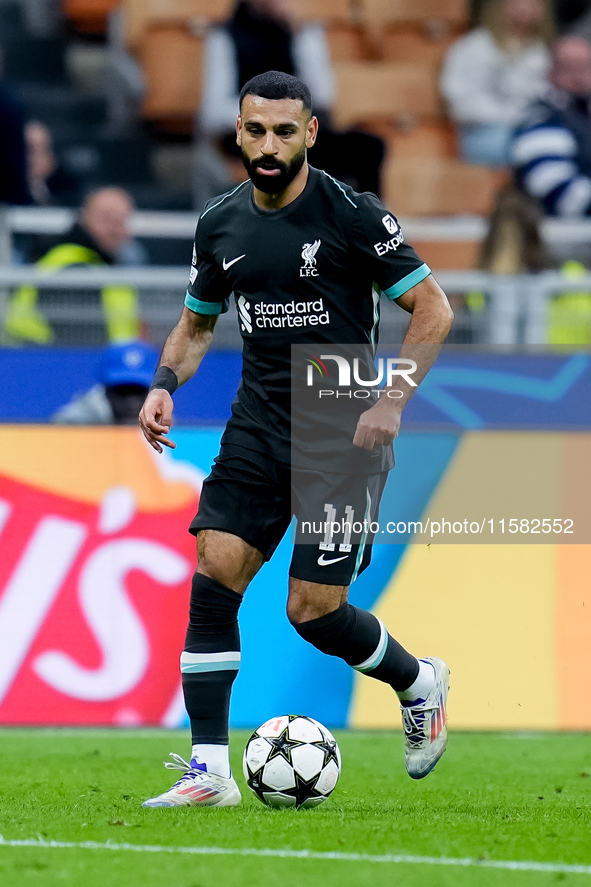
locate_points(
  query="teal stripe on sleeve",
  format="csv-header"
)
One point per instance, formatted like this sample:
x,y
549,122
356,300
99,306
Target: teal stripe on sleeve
x,y
407,283
200,307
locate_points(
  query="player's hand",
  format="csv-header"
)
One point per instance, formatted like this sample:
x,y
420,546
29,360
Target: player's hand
x,y
156,418
378,426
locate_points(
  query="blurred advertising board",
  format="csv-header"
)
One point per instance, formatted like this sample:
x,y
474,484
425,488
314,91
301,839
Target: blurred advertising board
x,y
96,562
468,388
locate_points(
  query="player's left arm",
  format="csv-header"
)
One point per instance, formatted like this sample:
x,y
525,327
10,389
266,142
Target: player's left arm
x,y
429,325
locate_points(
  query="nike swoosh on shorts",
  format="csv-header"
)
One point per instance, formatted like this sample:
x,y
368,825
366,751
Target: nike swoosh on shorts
x,y
322,563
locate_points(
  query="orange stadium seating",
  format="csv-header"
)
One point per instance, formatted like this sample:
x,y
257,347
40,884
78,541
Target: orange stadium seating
x,y
415,46
89,16
170,50
419,187
172,60
424,140
141,14
370,91
401,89
327,10
453,12
435,187
460,255
348,43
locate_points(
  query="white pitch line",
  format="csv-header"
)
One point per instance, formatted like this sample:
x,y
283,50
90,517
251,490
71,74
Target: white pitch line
x,y
512,865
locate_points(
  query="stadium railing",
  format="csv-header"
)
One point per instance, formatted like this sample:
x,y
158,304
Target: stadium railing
x,y
490,309
452,229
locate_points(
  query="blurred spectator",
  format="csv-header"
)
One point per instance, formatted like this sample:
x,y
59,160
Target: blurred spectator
x,y
492,73
514,243
552,148
580,26
564,12
48,183
125,85
43,17
569,13
110,314
125,373
13,176
261,36
569,320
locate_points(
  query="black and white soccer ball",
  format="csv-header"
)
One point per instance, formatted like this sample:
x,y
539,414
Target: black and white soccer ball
x,y
292,761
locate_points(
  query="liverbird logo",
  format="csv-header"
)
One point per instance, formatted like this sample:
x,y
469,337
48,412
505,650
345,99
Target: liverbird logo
x,y
309,251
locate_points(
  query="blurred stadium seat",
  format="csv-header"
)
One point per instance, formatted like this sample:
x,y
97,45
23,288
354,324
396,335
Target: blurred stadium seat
x,y
400,92
326,10
172,61
434,187
453,12
420,47
347,42
89,16
424,140
142,14
370,91
405,30
445,255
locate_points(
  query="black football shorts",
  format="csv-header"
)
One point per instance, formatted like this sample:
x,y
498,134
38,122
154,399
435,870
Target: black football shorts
x,y
254,497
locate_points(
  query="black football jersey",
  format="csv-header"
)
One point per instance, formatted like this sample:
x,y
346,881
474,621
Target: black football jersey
x,y
310,273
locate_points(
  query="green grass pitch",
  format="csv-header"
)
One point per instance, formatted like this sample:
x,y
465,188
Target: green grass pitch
x,y
493,797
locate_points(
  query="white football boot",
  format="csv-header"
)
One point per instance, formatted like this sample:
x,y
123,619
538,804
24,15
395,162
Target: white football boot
x,y
196,788
425,725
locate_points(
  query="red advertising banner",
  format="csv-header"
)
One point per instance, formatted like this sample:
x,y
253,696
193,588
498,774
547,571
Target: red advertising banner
x,y
95,567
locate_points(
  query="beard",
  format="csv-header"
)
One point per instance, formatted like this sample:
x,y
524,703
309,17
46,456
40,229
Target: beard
x,y
274,184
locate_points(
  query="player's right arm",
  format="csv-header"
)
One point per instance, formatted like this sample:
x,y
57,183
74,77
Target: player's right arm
x,y
186,346
183,352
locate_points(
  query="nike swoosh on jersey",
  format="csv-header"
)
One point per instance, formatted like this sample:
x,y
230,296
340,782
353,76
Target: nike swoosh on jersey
x,y
322,563
227,265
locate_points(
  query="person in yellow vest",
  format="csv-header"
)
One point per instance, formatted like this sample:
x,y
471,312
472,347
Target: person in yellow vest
x,y
569,320
514,245
80,317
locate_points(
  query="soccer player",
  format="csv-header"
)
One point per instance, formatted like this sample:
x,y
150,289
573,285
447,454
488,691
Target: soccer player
x,y
289,236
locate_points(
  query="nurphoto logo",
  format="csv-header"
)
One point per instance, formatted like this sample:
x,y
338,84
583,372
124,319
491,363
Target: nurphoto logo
x,y
386,370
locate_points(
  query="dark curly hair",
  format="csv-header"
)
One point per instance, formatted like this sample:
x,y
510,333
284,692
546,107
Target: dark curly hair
x,y
277,85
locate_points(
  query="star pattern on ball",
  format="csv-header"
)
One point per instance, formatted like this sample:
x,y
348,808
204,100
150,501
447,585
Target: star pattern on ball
x,y
277,780
329,747
304,790
282,746
256,783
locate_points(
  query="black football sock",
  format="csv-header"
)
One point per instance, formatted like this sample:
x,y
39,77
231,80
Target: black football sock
x,y
363,642
211,659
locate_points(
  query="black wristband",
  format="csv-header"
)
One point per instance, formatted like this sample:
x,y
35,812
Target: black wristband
x,y
165,378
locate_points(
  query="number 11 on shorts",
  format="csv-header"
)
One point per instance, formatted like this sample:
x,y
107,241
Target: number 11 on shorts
x,y
331,525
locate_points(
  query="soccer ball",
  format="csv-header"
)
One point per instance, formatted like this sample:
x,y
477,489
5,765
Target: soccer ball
x,y
292,761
